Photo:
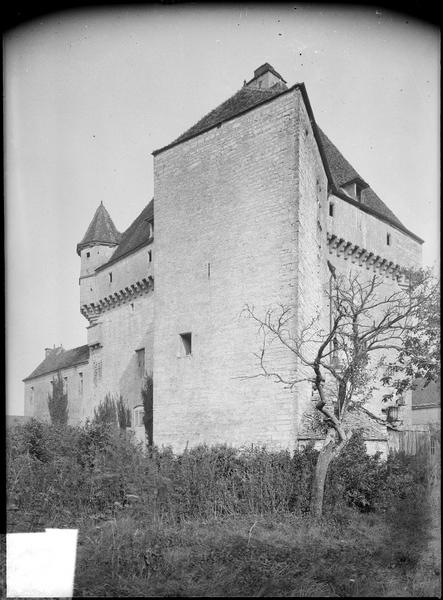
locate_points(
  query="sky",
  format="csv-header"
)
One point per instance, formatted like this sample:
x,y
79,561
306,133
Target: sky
x,y
89,94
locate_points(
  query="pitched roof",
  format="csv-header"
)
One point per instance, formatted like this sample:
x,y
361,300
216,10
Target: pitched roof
x,y
101,230
424,395
135,236
343,172
244,99
59,358
373,428
339,170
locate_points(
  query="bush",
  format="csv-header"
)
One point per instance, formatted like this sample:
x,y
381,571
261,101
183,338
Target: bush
x,y
355,478
58,402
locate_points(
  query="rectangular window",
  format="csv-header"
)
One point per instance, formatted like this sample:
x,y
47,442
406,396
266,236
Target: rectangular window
x,y
32,394
141,361
331,209
388,239
80,384
65,384
150,256
138,416
110,277
186,343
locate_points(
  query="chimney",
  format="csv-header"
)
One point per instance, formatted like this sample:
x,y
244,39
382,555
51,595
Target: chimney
x,y
54,350
266,77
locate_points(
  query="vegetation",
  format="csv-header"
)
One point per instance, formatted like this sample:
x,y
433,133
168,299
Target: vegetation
x,y
123,413
367,321
147,393
219,521
58,402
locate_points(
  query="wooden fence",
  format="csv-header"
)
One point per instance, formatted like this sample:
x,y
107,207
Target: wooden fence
x,y
422,439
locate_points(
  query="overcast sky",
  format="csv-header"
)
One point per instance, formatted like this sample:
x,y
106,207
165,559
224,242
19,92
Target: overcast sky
x,y
90,94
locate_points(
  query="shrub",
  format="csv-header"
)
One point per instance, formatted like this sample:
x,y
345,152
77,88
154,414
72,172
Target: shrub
x,y
147,393
58,402
355,478
106,412
123,413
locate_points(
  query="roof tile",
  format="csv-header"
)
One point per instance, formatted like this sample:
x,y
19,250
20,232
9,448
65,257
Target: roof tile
x,y
60,359
101,230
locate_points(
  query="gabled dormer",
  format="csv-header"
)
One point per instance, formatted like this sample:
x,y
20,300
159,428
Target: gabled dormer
x,y
354,188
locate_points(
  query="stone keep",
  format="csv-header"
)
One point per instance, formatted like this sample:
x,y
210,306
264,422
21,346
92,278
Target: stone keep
x,y
250,204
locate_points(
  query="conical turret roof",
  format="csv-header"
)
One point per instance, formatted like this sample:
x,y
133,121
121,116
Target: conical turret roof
x,y
100,231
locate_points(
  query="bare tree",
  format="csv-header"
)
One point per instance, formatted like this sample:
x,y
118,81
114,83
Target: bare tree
x,y
367,319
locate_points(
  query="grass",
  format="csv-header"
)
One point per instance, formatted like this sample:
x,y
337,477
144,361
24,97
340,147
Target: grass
x,y
217,522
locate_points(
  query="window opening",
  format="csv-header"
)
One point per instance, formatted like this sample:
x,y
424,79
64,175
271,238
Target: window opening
x,y
141,361
110,277
138,416
388,239
150,256
331,209
88,254
186,339
80,384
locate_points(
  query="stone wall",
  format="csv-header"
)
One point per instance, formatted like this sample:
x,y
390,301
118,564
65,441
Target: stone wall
x,y
37,390
229,233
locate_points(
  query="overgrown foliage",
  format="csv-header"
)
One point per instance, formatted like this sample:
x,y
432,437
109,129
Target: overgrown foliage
x,y
123,413
106,412
420,355
217,521
367,320
147,393
58,402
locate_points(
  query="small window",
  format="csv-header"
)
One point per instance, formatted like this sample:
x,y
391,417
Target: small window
x,y
150,256
88,254
80,384
331,209
186,340
138,416
110,277
32,394
141,361
65,384
388,239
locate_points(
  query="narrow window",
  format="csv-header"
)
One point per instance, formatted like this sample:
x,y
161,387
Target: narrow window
x,y
88,254
141,361
186,339
331,209
209,270
65,384
80,384
110,277
132,305
150,256
32,394
138,416
388,239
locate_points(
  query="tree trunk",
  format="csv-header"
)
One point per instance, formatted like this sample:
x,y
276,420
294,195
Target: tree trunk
x,y
321,470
